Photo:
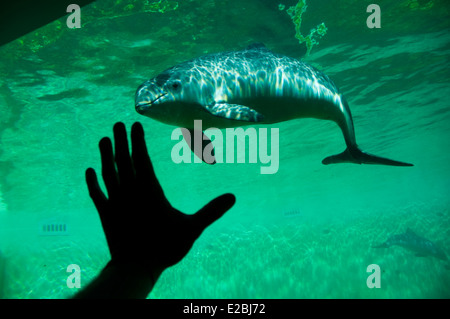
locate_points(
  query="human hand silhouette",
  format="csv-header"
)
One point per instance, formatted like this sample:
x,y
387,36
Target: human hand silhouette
x,y
141,226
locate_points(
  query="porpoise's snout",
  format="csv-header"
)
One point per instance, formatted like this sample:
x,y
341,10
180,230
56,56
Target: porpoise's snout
x,y
142,99
146,96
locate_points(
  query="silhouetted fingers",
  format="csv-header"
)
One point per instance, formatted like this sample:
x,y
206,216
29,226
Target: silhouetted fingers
x,y
123,160
108,168
141,160
212,211
95,192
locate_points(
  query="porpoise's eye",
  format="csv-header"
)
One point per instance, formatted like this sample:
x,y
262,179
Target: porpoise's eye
x,y
175,85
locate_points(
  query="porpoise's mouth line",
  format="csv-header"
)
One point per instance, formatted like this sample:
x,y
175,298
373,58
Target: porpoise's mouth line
x,y
151,102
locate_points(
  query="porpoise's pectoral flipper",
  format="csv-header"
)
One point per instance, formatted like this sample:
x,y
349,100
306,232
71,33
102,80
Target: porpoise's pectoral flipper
x,y
207,148
355,155
235,112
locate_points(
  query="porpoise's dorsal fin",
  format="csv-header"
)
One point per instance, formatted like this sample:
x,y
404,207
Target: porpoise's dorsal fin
x,y
257,46
409,231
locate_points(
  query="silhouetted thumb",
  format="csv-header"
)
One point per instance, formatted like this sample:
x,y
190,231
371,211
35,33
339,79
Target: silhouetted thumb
x,y
213,211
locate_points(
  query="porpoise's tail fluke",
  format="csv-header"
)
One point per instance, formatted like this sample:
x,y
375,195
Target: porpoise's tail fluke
x,y
355,155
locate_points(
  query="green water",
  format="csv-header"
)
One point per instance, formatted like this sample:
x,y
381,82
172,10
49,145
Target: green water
x,y
304,232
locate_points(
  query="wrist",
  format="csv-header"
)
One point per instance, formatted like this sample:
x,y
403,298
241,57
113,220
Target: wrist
x,y
133,269
122,280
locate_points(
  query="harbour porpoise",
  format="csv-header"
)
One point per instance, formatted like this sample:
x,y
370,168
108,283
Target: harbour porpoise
x,y
248,87
409,240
